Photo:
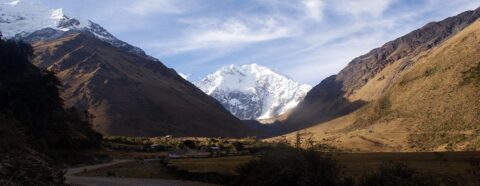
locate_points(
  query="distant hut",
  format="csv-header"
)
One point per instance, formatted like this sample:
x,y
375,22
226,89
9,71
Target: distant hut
x,y
178,154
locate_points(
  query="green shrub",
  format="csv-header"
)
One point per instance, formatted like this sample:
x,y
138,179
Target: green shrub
x,y
472,76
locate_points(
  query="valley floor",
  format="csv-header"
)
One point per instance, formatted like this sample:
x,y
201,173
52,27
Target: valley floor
x,y
73,178
454,166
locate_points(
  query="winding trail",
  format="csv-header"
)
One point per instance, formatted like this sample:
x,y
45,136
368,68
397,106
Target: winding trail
x,y
71,178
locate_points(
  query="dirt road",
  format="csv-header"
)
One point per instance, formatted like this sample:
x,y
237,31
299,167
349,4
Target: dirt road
x,y
111,181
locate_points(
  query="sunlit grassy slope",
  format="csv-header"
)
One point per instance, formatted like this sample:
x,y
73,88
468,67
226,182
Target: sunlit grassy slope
x,y
433,105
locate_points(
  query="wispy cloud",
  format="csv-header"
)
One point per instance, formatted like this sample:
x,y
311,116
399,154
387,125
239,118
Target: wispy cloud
x,y
358,7
314,8
213,34
147,7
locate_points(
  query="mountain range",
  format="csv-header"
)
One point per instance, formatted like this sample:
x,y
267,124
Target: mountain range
x,y
126,91
253,91
416,93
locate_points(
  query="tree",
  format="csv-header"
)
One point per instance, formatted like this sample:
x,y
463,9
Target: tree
x,y
238,146
189,144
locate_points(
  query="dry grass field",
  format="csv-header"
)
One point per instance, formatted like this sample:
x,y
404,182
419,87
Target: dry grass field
x,y
221,165
137,169
454,166
135,155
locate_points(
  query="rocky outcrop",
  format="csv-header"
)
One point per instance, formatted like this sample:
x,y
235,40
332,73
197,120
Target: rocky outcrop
x,y
24,166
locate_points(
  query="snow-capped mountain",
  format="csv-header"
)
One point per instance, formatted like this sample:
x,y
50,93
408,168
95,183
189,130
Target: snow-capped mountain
x,y
29,21
253,92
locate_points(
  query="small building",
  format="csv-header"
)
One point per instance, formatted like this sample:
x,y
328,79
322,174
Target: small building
x,y
127,147
178,154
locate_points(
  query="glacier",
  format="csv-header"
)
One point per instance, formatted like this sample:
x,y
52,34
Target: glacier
x,y
252,91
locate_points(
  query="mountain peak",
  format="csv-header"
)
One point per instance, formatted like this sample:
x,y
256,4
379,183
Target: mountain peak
x,y
21,20
252,91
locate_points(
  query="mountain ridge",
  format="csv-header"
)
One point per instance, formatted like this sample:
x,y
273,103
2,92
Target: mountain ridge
x,y
129,94
342,93
252,91
418,97
126,91
25,21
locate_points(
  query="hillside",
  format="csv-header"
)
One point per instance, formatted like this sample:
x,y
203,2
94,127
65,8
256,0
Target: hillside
x,y
253,91
354,85
420,92
126,91
130,94
34,125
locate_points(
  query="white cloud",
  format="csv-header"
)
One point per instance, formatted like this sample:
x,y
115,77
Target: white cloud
x,y
358,7
212,34
14,3
235,31
147,7
313,8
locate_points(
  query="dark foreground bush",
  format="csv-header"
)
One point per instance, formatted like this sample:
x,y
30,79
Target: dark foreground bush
x,y
289,166
34,125
398,174
214,178
31,98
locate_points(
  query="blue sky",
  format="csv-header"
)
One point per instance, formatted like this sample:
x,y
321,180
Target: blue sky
x,y
306,40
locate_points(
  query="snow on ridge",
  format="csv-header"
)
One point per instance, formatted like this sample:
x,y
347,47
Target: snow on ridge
x,y
252,91
19,19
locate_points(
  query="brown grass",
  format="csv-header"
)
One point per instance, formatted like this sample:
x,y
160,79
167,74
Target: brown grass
x,y
134,155
139,169
454,165
434,105
222,165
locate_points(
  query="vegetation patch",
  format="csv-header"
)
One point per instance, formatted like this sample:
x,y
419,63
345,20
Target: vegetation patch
x,y
380,109
289,166
397,173
472,76
431,71
444,131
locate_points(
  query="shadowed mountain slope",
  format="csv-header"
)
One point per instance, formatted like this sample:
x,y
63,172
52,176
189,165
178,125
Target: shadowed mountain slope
x,y
129,94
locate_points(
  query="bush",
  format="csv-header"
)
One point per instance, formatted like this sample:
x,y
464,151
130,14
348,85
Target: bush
x,y
289,166
189,144
11,136
238,146
395,173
